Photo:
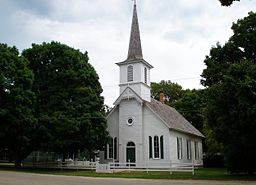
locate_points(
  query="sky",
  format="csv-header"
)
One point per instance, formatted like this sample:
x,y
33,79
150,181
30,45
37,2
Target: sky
x,y
176,35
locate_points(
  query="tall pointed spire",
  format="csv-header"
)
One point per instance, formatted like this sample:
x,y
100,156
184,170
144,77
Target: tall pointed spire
x,y
135,51
135,71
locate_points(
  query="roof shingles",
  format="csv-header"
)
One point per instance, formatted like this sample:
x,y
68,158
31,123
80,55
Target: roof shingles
x,y
172,118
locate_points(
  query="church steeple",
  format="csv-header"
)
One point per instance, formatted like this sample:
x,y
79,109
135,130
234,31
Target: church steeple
x,y
135,51
135,71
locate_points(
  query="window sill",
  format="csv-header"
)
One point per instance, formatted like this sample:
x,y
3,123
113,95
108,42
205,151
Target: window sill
x,y
156,159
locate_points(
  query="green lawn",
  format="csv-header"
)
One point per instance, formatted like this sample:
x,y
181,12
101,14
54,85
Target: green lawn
x,y
200,174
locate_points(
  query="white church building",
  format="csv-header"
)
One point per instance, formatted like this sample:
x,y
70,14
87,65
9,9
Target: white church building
x,y
145,131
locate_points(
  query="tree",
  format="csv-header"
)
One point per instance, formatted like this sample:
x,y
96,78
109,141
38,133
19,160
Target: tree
x,y
227,2
240,46
230,78
69,105
191,105
172,91
18,128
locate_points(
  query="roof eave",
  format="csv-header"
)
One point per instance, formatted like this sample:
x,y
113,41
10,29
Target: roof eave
x,y
126,62
193,134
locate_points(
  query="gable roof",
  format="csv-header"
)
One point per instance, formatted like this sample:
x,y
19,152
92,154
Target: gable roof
x,y
172,118
128,93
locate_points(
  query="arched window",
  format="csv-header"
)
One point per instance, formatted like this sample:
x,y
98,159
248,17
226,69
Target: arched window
x,y
188,149
145,75
110,149
130,145
130,73
162,146
105,151
156,147
131,153
196,151
115,148
150,147
179,147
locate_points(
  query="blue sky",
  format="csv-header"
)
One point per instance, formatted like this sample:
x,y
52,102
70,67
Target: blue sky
x,y
176,35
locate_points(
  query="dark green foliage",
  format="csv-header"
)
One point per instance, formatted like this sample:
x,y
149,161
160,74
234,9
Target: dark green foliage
x,y
211,145
240,46
69,105
172,91
227,2
231,107
192,105
17,123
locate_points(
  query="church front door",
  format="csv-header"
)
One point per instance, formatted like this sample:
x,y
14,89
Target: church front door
x,y
130,153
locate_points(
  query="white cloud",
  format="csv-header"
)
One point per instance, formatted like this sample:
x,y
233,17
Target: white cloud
x,y
176,35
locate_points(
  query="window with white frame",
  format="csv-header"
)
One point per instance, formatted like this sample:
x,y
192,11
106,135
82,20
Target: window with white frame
x,y
130,73
156,147
179,147
111,149
188,149
196,151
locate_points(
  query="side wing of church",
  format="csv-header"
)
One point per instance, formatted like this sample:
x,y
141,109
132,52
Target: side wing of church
x,y
144,131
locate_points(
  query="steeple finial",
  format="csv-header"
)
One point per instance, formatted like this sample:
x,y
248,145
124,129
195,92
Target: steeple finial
x,y
134,2
135,51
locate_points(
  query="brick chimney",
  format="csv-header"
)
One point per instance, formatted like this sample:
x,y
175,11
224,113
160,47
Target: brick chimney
x,y
162,97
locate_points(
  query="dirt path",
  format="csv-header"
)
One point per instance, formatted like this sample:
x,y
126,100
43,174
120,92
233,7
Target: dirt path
x,y
17,178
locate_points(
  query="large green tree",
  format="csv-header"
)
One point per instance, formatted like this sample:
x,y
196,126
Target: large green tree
x,y
18,127
69,104
230,78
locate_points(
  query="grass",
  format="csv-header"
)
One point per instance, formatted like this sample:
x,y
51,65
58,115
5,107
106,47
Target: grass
x,y
200,174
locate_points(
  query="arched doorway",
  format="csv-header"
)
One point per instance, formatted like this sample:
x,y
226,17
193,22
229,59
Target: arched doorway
x,y
130,152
